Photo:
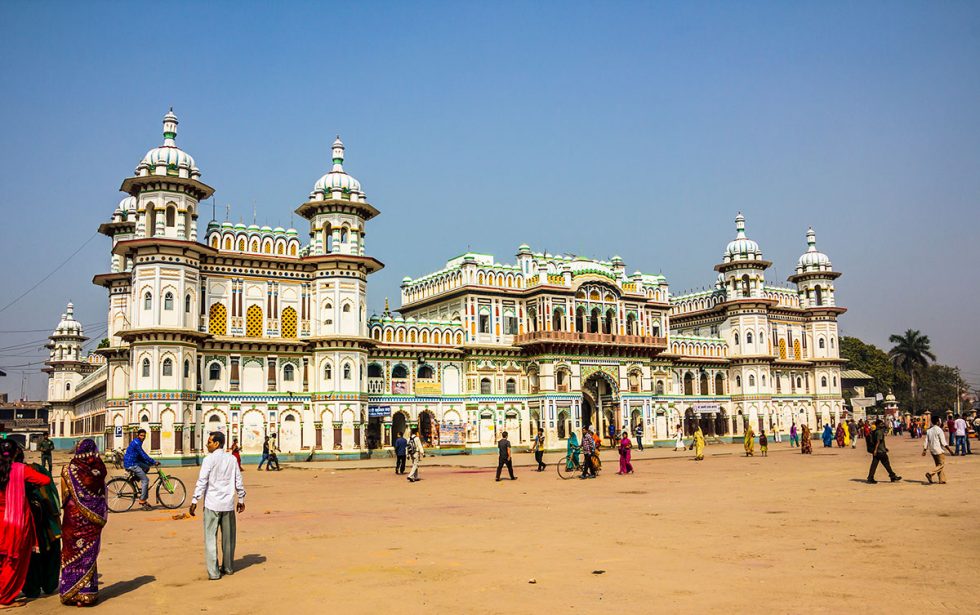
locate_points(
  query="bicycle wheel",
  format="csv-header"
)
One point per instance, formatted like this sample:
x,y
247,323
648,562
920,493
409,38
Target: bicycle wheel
x,y
562,467
171,492
120,495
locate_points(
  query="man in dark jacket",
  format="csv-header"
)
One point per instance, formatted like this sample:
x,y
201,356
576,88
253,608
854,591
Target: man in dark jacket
x,y
879,454
401,453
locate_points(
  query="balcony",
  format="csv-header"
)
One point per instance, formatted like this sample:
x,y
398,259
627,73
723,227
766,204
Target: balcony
x,y
376,386
647,342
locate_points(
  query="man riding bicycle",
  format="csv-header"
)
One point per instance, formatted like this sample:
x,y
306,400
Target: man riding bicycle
x,y
138,462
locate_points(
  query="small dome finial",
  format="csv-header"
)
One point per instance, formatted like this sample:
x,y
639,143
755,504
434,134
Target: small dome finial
x,y
811,240
740,224
170,128
338,154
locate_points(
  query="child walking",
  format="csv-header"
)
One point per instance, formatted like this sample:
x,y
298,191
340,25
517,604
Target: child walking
x,y
763,443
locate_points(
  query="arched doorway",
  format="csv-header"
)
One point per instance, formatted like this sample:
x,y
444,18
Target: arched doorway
x,y
600,403
398,424
690,421
721,424
425,427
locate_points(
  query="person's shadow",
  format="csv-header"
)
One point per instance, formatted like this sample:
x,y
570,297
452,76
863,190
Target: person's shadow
x,y
248,560
119,588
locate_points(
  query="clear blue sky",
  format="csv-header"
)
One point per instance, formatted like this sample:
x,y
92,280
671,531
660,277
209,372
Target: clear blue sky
x,y
629,128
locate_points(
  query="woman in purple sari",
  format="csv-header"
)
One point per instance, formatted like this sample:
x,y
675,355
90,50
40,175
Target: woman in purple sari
x,y
86,510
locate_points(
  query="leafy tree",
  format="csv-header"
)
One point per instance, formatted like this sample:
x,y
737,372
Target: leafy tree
x,y
911,353
871,360
940,387
104,343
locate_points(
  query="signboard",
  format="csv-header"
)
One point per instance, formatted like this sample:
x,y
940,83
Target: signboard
x,y
375,412
118,432
427,388
707,408
452,434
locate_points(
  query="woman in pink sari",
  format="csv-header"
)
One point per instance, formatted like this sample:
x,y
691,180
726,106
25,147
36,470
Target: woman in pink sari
x,y
17,537
625,452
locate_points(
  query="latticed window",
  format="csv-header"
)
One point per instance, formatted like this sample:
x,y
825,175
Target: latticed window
x,y
288,322
253,321
168,301
288,373
168,367
214,371
218,319
796,349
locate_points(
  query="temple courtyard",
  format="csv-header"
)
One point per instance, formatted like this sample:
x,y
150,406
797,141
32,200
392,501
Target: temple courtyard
x,y
783,534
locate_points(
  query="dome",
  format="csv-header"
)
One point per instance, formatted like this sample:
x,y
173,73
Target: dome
x,y
168,159
127,204
279,230
68,324
266,229
291,231
406,280
742,248
337,184
253,227
226,224
813,259
240,226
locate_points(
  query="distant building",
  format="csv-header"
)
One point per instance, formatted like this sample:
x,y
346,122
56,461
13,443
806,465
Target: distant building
x,y
24,421
251,331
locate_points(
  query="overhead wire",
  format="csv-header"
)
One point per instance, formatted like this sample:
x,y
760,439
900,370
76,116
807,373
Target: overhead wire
x,y
51,273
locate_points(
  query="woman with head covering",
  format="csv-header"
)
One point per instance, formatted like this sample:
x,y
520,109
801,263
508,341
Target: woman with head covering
x,y
625,453
17,537
839,435
42,575
572,449
86,511
806,445
828,436
749,443
698,444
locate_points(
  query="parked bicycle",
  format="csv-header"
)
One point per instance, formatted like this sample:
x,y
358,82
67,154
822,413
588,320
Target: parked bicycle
x,y
123,492
114,458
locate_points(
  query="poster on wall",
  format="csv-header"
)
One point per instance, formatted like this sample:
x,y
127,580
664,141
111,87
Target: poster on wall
x,y
428,388
452,434
399,387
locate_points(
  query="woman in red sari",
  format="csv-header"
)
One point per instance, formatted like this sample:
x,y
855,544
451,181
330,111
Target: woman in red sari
x,y
86,511
17,537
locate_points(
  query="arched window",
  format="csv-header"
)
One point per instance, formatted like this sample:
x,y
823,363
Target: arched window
x,y
147,301
820,343
327,371
253,321
607,323
171,216
594,321
168,367
485,386
187,304
214,371
736,338
630,324
425,371
748,337
187,368
738,381
704,384
511,386
346,371
831,342
145,368
835,380
799,383
374,371
823,381
688,384
168,301
288,372
346,307
819,292
67,386
217,319
751,380
719,385
580,319
399,371
288,323
660,387
556,320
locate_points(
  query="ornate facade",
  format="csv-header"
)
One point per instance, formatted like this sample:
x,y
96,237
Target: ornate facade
x,y
251,331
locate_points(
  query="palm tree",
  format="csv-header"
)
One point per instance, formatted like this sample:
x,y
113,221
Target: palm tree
x,y
911,352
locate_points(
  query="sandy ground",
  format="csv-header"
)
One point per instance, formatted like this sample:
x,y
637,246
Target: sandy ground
x,y
783,534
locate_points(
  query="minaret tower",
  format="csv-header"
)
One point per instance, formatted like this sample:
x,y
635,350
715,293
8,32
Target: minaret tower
x,y
814,279
154,296
337,212
65,369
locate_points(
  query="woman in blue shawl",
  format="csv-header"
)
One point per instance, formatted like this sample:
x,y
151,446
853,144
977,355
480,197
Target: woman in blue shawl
x,y
572,450
828,436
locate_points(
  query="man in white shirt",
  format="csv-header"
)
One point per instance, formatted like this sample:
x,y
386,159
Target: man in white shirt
x,y
416,452
959,427
218,483
935,443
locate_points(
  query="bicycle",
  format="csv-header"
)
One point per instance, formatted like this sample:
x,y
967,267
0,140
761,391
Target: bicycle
x,y
569,466
123,492
113,457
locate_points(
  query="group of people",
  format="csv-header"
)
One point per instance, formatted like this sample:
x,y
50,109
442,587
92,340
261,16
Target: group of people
x,y
410,449
47,545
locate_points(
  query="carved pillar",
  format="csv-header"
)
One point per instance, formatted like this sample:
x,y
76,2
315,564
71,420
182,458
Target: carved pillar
x,y
318,428
338,435
178,438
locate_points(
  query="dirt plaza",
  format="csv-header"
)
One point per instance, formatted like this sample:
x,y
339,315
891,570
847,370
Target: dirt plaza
x,y
785,534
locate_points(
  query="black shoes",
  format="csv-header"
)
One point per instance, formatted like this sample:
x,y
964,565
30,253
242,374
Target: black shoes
x,y
895,479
